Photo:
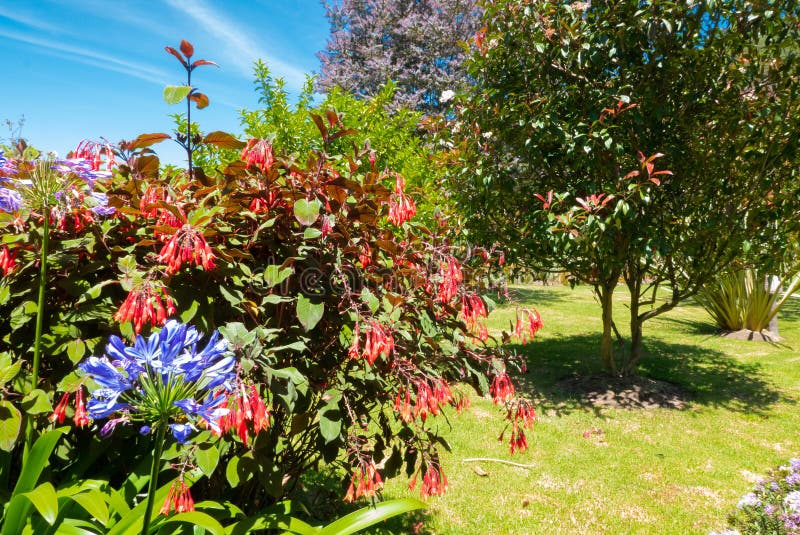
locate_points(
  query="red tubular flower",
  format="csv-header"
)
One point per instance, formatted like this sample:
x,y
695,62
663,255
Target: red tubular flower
x,y
366,481
145,305
401,206
179,498
187,245
434,481
327,225
501,389
258,153
81,419
167,221
518,441
59,413
365,256
528,324
149,201
245,405
93,152
451,278
473,310
379,341
8,260
355,350
260,413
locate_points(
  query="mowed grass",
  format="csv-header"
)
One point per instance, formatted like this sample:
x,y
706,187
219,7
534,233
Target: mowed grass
x,y
659,470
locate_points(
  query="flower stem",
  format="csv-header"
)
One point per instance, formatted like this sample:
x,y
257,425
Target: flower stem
x,y
152,485
37,341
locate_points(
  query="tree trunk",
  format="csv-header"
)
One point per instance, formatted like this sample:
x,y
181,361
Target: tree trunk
x,y
606,294
635,288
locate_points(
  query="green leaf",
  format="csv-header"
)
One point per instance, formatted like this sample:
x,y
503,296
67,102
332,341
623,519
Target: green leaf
x,y
312,233
17,510
197,518
174,94
369,516
94,502
76,349
275,517
36,402
330,417
10,425
275,274
309,313
306,211
207,458
232,473
45,500
9,372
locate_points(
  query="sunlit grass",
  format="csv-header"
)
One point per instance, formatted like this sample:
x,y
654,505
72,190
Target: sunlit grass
x,y
646,470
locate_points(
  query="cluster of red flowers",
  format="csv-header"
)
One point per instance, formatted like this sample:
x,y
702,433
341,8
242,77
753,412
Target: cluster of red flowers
x,y
528,324
365,256
81,419
93,152
451,278
187,245
521,416
258,153
378,341
146,305
501,389
366,481
245,405
429,398
473,310
327,225
148,203
179,498
8,260
262,204
79,219
401,205
434,481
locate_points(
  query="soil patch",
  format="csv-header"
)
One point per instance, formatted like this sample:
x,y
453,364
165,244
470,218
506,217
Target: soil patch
x,y
625,392
755,336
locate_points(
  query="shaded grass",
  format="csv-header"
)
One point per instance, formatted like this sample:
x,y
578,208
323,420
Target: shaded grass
x,y
659,470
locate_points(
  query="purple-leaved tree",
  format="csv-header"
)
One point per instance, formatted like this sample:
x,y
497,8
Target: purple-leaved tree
x,y
415,44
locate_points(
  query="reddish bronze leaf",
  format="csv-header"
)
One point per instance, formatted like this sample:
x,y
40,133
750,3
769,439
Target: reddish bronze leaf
x,y
145,140
223,140
187,48
201,99
203,62
177,55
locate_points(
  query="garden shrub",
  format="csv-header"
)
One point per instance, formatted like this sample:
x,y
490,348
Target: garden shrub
x,y
350,321
772,507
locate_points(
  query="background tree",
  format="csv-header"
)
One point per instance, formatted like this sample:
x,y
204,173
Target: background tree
x,y
572,105
415,44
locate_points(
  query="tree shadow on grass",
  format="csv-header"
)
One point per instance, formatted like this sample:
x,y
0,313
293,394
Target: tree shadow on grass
x,y
536,294
700,376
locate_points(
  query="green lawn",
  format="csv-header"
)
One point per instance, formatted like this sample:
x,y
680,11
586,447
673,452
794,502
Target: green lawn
x,y
659,470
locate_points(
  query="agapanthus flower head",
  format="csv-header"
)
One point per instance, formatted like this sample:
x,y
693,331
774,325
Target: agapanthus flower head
x,y
10,200
8,260
187,245
146,304
792,502
258,153
162,379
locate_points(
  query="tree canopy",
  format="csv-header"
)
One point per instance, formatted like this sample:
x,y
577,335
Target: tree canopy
x,y
648,142
415,44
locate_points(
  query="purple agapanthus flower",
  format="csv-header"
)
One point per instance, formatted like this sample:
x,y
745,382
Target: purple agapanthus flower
x,y
101,206
162,379
10,200
7,167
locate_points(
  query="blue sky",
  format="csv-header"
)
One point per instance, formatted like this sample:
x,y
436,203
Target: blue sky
x,y
97,68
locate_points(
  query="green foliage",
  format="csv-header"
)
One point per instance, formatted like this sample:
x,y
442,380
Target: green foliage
x,y
744,299
393,135
567,98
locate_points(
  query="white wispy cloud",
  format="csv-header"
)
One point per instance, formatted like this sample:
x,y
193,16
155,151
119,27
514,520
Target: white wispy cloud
x,y
240,48
29,20
90,57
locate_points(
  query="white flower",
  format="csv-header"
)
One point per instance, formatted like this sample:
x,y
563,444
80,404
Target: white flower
x,y
447,95
792,502
749,499
487,135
